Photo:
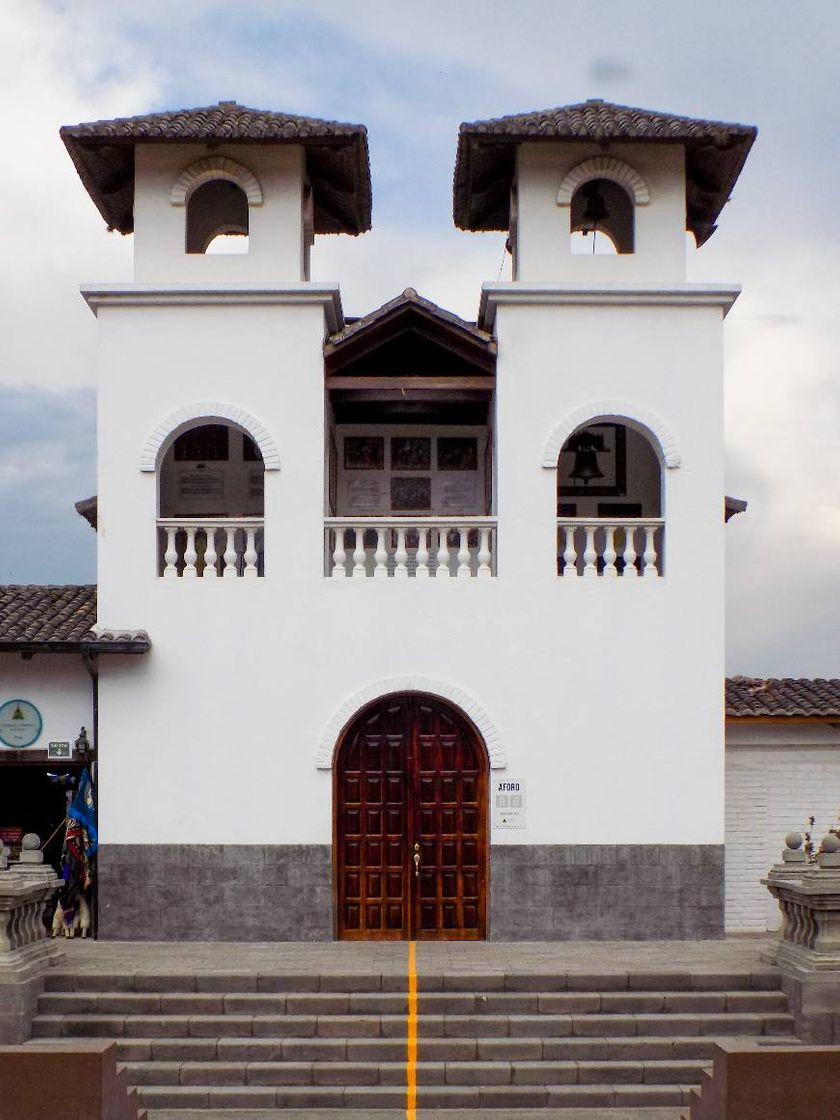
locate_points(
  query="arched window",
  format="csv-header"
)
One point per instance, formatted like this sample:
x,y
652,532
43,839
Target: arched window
x,y
601,218
609,503
217,218
211,484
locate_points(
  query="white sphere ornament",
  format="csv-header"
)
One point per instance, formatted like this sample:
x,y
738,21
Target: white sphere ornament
x,y
31,842
830,844
793,840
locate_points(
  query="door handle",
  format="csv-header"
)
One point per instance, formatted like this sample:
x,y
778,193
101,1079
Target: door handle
x,y
416,861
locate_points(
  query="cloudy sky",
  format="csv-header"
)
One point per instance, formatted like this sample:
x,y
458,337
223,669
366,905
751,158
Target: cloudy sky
x,y
411,74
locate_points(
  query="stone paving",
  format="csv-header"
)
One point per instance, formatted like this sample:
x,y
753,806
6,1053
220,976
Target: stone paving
x,y
729,955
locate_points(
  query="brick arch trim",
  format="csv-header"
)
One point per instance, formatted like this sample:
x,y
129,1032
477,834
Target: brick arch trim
x,y
654,426
208,410
604,167
389,685
215,167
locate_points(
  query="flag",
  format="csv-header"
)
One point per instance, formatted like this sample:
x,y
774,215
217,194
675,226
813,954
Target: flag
x,y
83,810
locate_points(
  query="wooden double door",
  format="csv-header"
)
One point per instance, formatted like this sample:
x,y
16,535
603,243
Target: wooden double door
x,y
411,824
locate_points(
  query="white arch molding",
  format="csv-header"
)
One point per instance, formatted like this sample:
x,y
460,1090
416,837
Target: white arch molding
x,y
604,167
215,167
387,687
208,410
612,410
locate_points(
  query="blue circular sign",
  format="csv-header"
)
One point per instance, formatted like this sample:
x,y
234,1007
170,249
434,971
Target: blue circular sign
x,y
20,723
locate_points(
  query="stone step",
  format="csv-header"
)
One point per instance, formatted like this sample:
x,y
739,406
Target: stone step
x,y
394,1003
478,1073
422,1114
377,1097
662,1024
694,1047
245,981
64,980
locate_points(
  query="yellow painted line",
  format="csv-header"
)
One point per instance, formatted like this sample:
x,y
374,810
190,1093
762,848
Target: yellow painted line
x,y
411,1036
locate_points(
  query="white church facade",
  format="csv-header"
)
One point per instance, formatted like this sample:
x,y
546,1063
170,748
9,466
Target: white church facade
x,y
406,626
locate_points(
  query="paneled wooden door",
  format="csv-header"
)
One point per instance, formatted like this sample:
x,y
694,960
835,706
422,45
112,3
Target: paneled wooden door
x,y
411,824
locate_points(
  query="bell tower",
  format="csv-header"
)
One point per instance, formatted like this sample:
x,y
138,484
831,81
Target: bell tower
x,y
609,398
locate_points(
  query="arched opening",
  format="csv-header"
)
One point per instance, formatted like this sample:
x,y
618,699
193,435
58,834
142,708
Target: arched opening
x,y
410,823
609,502
217,216
601,218
211,485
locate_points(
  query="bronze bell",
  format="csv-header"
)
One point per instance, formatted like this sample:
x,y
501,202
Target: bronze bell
x,y
586,446
596,209
586,467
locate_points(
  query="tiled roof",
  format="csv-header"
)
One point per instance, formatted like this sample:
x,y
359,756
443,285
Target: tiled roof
x,y
788,697
58,616
411,298
715,155
337,162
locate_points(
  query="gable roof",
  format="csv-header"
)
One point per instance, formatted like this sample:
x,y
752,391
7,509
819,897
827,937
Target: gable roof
x,y
59,618
337,162
486,160
410,311
783,697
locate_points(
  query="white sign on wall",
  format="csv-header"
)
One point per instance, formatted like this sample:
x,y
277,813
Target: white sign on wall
x,y
508,803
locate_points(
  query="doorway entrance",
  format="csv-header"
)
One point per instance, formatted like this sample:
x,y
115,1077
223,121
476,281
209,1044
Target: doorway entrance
x,y
410,843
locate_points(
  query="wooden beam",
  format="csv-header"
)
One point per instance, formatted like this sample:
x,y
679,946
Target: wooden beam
x,y
426,384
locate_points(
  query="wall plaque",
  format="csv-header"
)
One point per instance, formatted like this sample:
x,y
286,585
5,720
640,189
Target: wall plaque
x,y
20,723
508,803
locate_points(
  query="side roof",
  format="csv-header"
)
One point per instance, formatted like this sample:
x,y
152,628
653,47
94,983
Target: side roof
x,y
337,161
486,160
59,619
782,698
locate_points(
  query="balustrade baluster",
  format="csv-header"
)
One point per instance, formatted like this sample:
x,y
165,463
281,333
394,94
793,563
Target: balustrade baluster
x,y
359,553
610,570
400,556
443,553
339,556
590,555
171,555
210,555
485,554
422,570
464,570
250,556
230,557
649,557
190,555
630,554
570,555
381,555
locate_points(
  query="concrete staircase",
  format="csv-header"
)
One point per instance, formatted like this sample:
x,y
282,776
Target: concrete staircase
x,y
202,1044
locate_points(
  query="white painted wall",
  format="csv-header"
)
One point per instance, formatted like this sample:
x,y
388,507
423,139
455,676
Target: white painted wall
x,y
275,245
777,776
542,246
59,687
603,707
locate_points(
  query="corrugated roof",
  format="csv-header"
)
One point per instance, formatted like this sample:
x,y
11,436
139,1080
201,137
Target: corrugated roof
x,y
485,165
783,697
337,161
59,616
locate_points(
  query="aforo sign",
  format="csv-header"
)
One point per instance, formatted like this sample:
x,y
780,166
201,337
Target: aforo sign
x,y
509,803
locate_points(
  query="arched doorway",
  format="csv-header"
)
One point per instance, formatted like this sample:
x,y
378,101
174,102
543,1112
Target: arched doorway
x,y
410,812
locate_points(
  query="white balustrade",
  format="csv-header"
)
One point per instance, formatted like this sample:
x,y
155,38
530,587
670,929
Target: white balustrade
x,y
410,548
596,546
194,547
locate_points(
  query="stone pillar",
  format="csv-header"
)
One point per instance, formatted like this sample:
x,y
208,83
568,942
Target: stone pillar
x,y
25,950
808,951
